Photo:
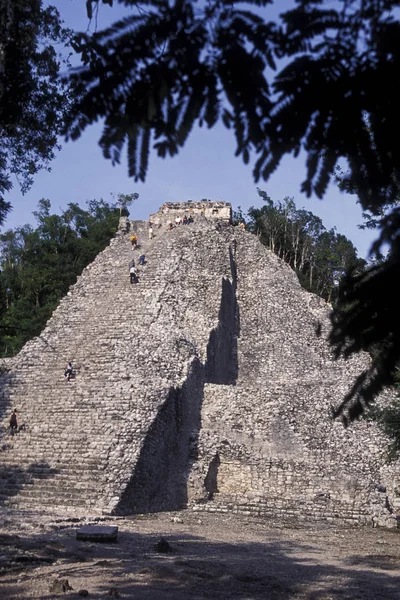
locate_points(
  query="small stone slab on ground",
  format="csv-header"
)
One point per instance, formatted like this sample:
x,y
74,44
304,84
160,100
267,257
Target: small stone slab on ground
x,y
97,533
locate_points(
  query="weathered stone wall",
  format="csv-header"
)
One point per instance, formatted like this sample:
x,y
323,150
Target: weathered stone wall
x,y
209,383
272,452
271,434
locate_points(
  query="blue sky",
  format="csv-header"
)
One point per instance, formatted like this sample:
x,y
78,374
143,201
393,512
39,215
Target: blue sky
x,y
205,168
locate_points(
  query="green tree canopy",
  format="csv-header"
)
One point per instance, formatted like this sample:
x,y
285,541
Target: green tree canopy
x,y
39,265
125,200
33,101
320,258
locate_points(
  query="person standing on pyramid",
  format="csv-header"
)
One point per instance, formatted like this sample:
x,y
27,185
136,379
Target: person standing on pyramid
x,y
68,371
132,275
14,422
150,232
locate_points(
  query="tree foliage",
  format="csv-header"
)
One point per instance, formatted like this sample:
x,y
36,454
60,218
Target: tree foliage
x,y
320,258
125,200
321,79
39,265
389,420
365,318
33,101
154,74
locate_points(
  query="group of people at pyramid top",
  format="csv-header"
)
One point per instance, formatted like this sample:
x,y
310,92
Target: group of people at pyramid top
x,y
179,221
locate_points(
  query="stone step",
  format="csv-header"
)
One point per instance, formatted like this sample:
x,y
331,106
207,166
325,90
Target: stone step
x,y
78,460
31,488
49,487
286,508
65,503
75,461
78,470
52,473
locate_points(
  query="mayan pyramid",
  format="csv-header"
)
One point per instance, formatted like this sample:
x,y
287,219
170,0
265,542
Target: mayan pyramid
x,y
208,385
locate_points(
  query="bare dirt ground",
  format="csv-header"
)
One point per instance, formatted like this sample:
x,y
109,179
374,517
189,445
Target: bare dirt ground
x,y
212,556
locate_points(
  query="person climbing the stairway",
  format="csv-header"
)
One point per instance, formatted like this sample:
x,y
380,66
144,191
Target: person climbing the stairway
x,y
142,259
14,422
68,371
150,232
132,263
132,275
134,241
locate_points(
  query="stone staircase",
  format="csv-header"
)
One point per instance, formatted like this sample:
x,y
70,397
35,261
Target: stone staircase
x,y
206,384
130,345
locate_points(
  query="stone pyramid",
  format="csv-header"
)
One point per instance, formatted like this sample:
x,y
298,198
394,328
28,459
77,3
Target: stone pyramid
x,y
207,385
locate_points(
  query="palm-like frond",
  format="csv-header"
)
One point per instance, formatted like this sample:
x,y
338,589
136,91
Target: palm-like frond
x,y
331,74
126,63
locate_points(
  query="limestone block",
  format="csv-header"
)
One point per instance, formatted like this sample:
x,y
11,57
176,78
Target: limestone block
x,y
97,533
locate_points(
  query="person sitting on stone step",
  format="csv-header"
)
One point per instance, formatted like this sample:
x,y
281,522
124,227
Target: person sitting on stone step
x,y
14,422
141,259
68,371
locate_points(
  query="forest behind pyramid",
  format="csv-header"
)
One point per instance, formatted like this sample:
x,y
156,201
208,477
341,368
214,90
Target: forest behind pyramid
x,y
208,384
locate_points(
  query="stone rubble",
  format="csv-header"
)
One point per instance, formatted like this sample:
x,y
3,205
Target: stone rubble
x,y
204,385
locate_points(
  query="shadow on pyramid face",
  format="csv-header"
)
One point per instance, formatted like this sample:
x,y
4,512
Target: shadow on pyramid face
x,y
222,353
160,478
